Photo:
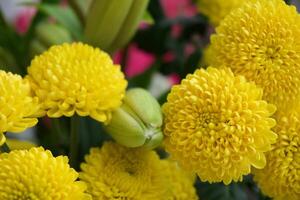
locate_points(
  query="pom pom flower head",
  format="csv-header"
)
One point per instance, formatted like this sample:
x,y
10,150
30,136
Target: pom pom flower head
x,y
77,78
280,178
36,174
116,172
217,125
216,10
17,106
260,41
181,182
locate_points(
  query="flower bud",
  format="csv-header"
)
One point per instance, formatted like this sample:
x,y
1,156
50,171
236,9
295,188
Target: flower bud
x,y
110,24
44,37
138,121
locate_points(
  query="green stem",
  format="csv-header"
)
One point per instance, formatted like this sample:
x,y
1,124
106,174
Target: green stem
x,y
59,131
5,148
2,20
74,140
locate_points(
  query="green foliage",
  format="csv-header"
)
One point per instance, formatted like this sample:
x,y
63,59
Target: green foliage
x,y
65,16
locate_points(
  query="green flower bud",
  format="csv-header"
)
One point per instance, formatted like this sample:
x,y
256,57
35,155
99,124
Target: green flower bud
x,y
110,24
46,35
138,121
36,48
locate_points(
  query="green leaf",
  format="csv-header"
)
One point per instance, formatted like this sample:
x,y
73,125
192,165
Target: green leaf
x,y
7,62
65,16
14,45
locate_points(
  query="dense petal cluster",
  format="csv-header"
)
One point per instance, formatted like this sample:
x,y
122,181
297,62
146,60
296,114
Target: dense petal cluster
x,y
35,174
216,10
77,78
117,172
181,182
260,41
17,106
217,125
280,178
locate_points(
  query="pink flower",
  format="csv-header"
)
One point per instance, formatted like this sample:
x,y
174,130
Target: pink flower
x,y
137,60
175,8
23,19
174,79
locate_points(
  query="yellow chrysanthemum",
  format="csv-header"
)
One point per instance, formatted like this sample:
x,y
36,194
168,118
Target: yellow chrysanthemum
x,y
216,10
116,172
77,78
280,178
17,106
35,174
181,183
261,42
217,125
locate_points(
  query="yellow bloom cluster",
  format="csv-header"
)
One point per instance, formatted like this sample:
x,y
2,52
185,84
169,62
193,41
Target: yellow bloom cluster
x,y
35,174
217,125
116,172
216,10
280,179
260,41
77,78
17,106
181,182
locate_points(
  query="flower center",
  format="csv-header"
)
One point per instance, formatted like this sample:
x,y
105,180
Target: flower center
x,y
130,170
208,122
272,53
216,130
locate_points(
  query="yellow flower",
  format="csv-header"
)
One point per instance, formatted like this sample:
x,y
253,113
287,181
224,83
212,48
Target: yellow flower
x,y
35,174
217,125
17,106
77,78
117,172
261,42
216,10
280,178
180,182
